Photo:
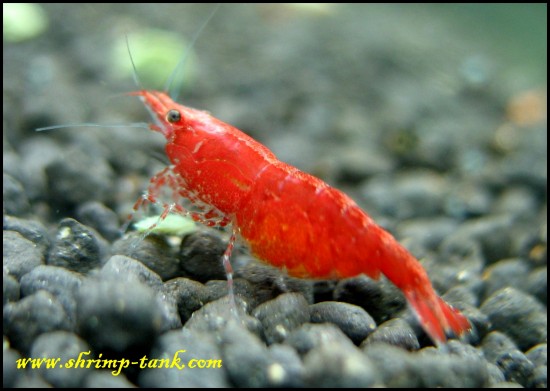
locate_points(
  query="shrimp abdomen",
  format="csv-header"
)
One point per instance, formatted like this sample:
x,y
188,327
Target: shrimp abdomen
x,y
296,221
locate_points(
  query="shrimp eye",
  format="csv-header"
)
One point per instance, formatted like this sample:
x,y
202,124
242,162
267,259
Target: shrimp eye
x,y
173,116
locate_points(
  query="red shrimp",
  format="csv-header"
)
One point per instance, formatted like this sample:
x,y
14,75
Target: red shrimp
x,y
288,218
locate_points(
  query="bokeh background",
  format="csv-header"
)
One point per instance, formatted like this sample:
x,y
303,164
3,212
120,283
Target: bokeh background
x,y
343,91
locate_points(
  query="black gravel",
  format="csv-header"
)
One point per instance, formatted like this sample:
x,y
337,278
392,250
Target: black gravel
x,y
413,112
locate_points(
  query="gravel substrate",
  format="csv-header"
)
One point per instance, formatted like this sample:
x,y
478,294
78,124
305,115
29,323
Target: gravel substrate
x,y
429,132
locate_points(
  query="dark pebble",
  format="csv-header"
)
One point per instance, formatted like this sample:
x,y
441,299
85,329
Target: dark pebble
x,y
393,365
105,379
122,268
455,271
36,153
215,316
250,296
169,311
11,161
282,315
216,289
153,251
335,365
189,296
481,325
323,290
538,354
506,384
287,369
32,316
117,315
96,215
507,272
29,229
20,255
496,344
354,321
185,346
405,196
516,367
459,261
470,199
537,284
200,256
61,283
539,378
78,177
65,346
31,380
426,232
395,332
269,282
494,374
446,371
310,336
517,201
245,357
519,315
381,299
461,295
358,162
10,372
10,289
526,165
493,234
14,199
77,247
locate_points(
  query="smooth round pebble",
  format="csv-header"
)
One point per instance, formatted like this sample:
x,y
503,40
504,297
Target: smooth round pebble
x,y
10,289
200,256
517,314
381,299
122,268
395,332
338,366
29,229
189,296
177,348
96,215
154,251
14,199
65,346
60,282
20,254
246,357
310,336
105,309
34,315
282,315
105,379
353,320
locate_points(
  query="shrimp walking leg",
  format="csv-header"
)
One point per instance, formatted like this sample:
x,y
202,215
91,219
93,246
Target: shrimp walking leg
x,y
226,259
168,179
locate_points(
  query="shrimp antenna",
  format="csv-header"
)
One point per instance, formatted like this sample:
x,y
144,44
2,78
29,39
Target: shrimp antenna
x,y
134,74
141,125
183,61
